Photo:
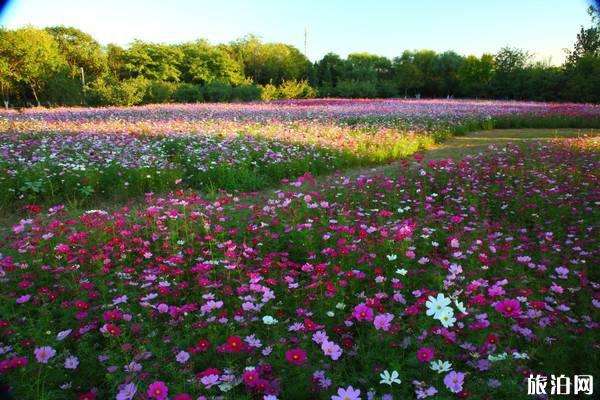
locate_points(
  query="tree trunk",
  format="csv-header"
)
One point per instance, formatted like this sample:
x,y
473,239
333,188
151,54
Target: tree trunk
x,y
35,95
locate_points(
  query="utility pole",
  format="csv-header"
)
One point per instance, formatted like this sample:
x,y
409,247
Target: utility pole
x,y
305,35
82,86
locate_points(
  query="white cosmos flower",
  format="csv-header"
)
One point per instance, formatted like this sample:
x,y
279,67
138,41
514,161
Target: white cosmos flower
x,y
440,366
401,271
520,356
268,320
389,379
392,257
461,307
436,306
447,318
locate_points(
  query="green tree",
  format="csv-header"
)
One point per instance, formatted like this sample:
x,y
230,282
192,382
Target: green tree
x,y
153,61
30,56
270,62
475,76
425,61
407,75
203,63
509,72
446,70
80,51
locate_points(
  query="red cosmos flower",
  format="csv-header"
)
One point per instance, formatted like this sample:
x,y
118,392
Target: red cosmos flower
x,y
202,345
33,209
295,356
491,339
309,325
234,344
112,315
425,354
112,330
87,396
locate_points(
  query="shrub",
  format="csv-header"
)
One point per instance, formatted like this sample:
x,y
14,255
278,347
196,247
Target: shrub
x,y
217,91
246,93
62,90
386,89
120,93
355,89
296,90
159,92
187,93
270,92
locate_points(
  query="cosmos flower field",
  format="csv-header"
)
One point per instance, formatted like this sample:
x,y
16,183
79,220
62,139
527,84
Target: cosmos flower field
x,y
440,279
77,155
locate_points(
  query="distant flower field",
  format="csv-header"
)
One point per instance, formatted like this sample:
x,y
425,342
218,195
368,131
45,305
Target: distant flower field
x,y
75,155
438,279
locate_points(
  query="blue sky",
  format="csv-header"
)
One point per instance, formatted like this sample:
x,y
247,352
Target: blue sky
x,y
388,27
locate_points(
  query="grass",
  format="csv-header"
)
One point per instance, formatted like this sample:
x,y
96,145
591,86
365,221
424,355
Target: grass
x,y
475,142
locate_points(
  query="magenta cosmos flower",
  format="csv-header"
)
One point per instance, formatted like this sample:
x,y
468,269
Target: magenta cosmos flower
x,y
158,390
425,354
347,394
363,313
454,381
509,308
43,354
296,356
383,321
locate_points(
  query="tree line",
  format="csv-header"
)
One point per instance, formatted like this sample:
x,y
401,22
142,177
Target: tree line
x,y
65,66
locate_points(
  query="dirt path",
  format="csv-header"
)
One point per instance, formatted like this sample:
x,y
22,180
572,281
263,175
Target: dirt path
x,y
475,142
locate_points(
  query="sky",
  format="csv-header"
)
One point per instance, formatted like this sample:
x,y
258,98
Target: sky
x,y
383,27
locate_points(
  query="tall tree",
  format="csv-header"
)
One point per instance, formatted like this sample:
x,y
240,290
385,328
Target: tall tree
x,y
407,74
80,51
153,61
203,63
30,56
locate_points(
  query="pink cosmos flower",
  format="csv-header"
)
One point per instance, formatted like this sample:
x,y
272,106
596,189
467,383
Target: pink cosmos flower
x,y
182,357
383,321
127,392
162,308
71,362
331,349
43,354
347,394
510,308
23,299
454,381
210,380
158,390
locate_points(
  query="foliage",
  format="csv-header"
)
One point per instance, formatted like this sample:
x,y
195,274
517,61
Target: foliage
x,y
50,66
159,92
187,93
296,90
